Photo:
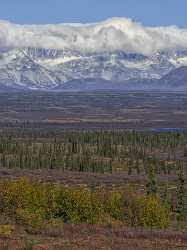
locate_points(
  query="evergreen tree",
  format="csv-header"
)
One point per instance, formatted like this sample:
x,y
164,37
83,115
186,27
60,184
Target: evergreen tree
x,y
151,185
181,213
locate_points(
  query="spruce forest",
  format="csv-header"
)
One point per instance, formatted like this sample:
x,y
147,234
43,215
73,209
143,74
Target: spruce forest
x,y
54,181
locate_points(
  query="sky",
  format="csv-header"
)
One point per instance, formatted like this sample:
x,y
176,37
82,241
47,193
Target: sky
x,y
148,12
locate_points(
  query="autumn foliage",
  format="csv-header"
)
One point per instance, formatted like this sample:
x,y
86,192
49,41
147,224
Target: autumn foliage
x,y
34,203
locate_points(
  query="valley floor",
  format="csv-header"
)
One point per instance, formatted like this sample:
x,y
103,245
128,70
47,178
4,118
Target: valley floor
x,y
96,110
42,140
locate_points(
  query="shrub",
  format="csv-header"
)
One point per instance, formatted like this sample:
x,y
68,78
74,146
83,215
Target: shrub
x,y
21,194
154,214
113,205
98,213
79,205
51,201
140,210
131,207
29,218
33,203
29,244
6,230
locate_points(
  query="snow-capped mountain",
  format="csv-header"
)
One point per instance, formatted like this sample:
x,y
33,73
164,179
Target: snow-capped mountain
x,y
117,50
19,69
34,68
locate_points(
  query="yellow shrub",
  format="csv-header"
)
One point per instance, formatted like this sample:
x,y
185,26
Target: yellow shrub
x,y
32,203
21,194
75,205
113,204
33,219
140,210
6,230
154,214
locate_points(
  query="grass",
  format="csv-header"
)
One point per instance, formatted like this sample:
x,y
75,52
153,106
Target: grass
x,y
89,237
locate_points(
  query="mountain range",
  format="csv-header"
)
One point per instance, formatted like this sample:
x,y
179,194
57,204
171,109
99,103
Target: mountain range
x,y
73,68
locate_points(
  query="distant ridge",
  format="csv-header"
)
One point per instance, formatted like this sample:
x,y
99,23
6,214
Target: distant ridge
x,y
176,78
44,69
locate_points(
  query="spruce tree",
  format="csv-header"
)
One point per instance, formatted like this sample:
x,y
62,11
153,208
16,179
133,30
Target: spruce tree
x,y
151,185
181,213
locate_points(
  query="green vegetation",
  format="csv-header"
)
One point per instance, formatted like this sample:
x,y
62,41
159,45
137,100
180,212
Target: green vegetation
x,y
87,187
33,203
152,194
133,152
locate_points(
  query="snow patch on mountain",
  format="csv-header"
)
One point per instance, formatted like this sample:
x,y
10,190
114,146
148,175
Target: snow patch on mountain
x,y
38,68
57,61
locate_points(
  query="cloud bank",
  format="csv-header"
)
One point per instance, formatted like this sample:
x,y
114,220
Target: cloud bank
x,y
112,34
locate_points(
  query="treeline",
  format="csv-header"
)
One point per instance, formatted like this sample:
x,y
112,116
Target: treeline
x,y
103,151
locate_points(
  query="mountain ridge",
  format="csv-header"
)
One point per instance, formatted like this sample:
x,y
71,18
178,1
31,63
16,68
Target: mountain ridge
x,y
46,69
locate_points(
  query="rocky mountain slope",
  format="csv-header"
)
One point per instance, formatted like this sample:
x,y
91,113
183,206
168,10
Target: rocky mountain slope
x,y
48,69
176,79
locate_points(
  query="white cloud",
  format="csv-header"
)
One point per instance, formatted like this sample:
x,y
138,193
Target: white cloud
x,y
112,34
